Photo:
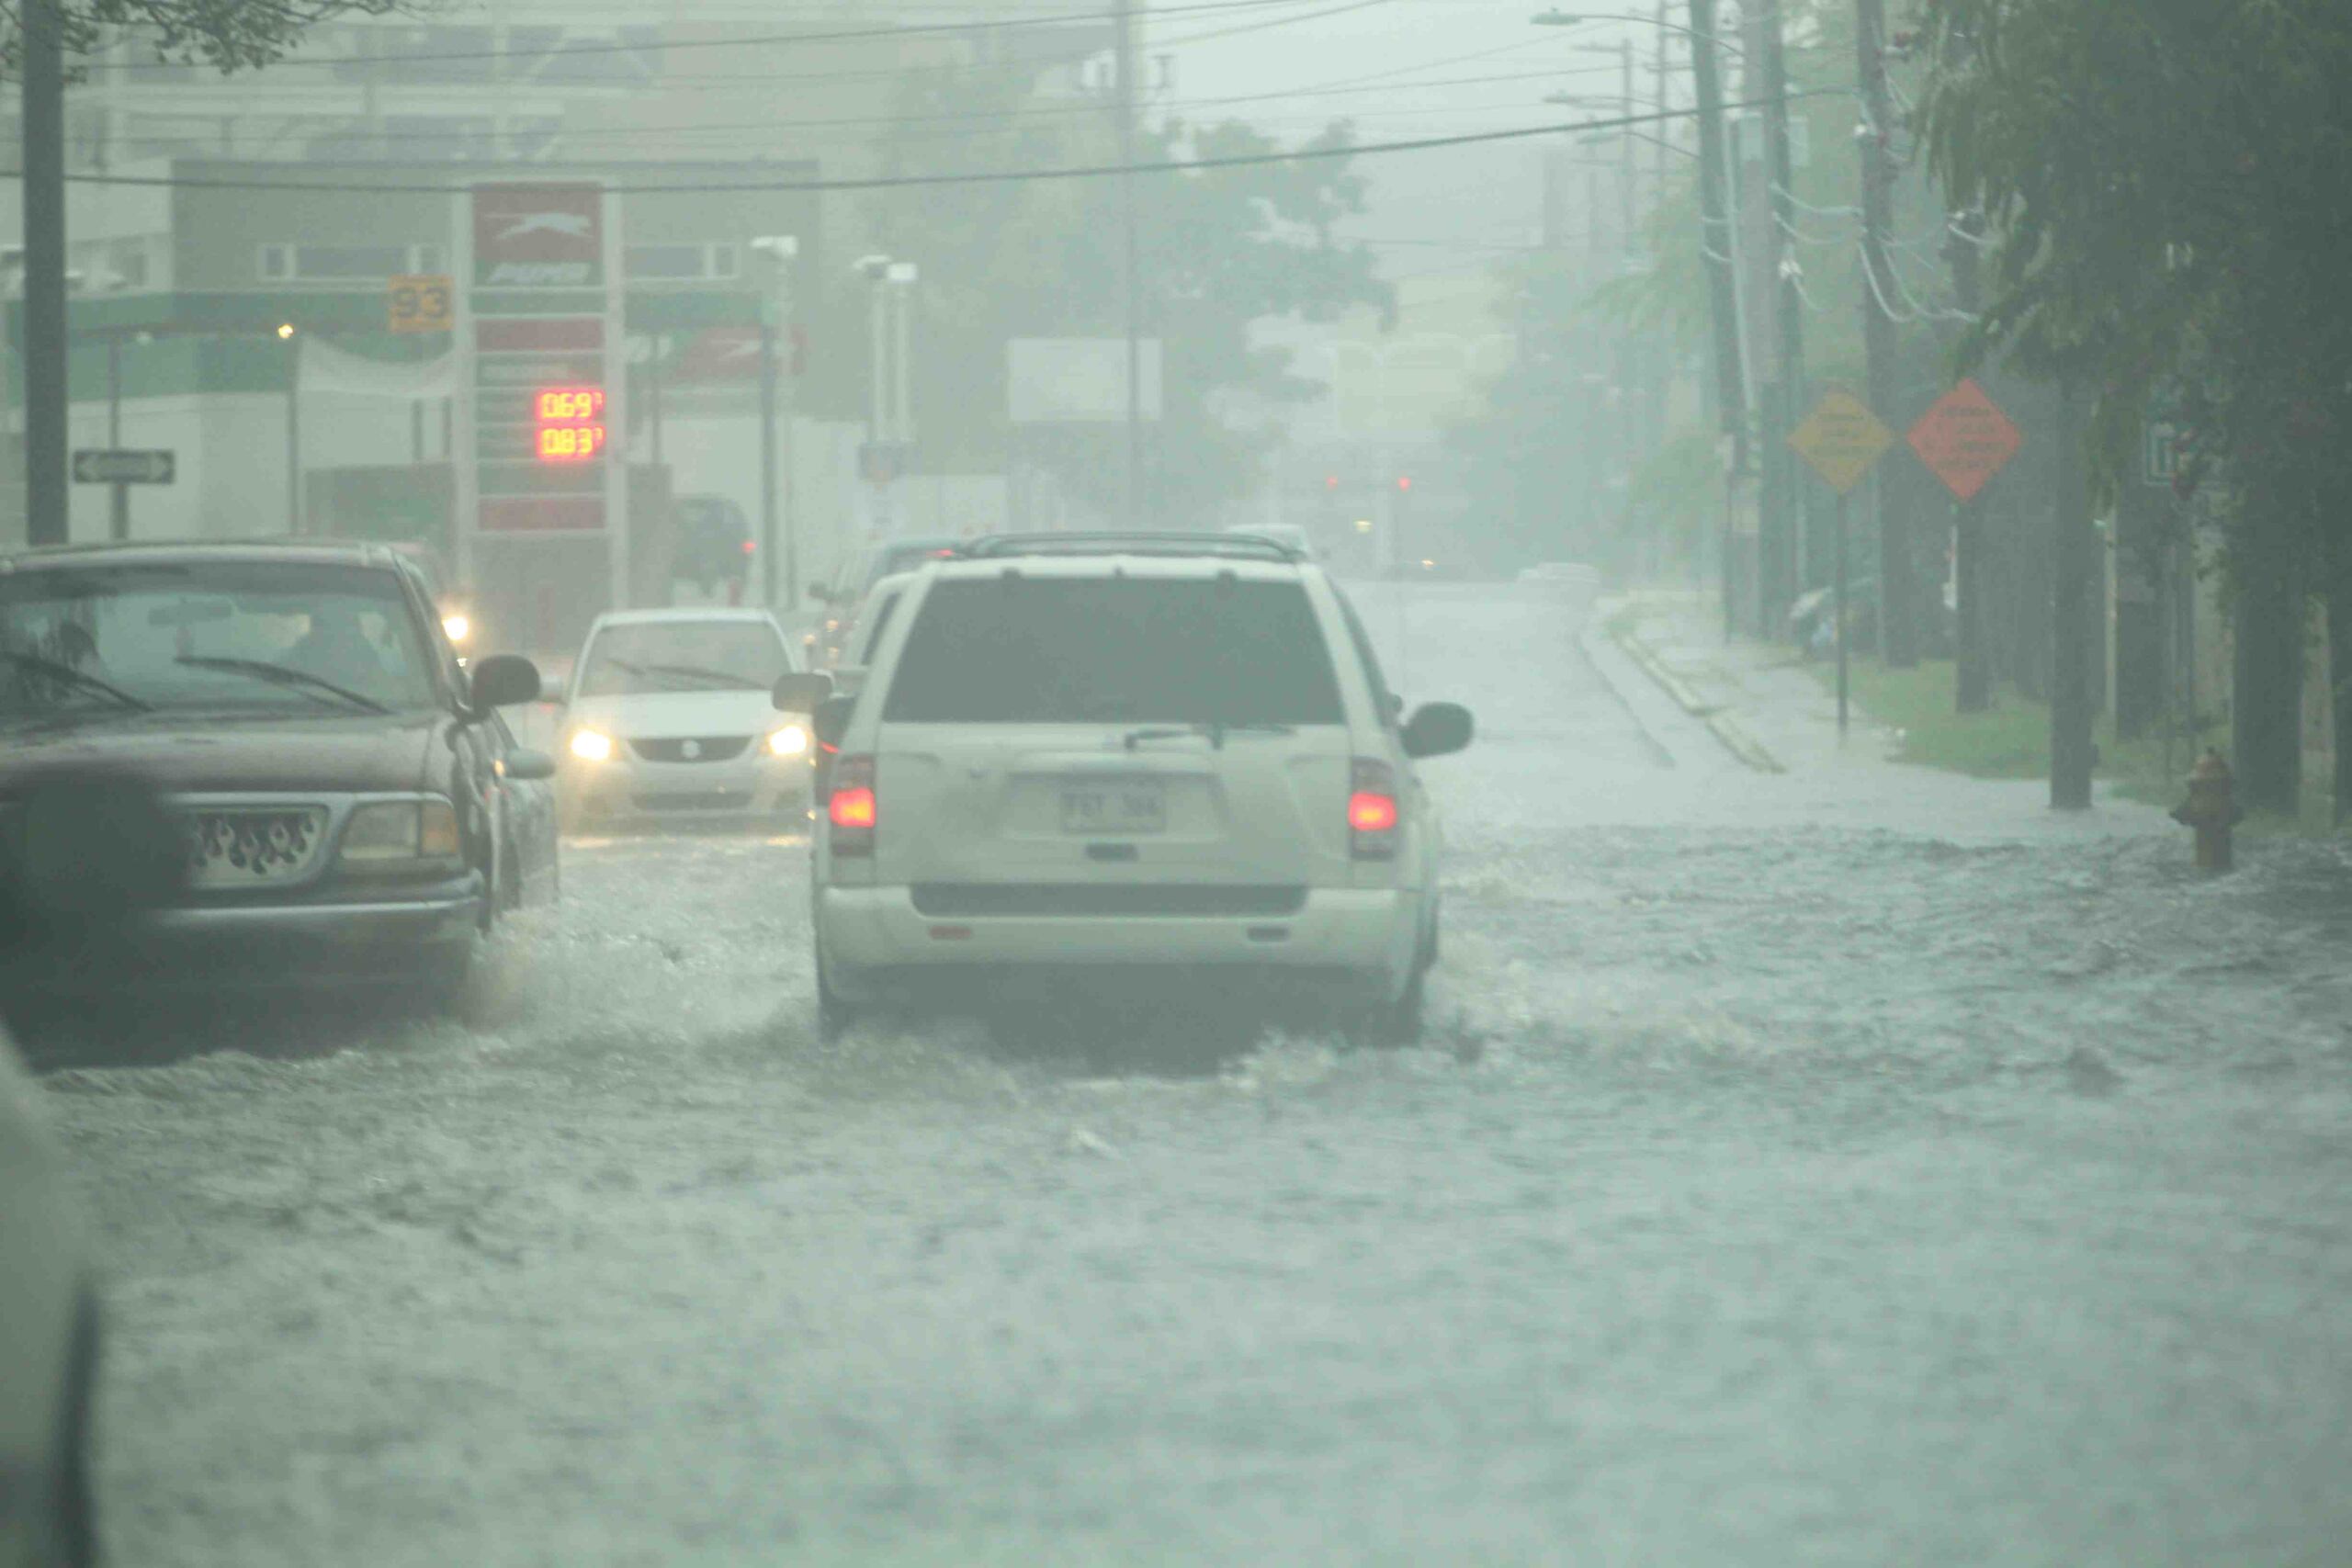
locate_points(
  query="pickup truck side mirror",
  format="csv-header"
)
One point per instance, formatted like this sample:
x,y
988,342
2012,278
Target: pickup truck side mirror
x,y
504,680
801,692
526,766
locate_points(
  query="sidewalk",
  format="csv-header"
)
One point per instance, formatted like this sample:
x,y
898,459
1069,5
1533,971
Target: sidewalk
x,y
1777,715
1764,703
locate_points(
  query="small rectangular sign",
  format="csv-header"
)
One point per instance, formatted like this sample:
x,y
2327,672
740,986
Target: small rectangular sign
x,y
423,302
113,466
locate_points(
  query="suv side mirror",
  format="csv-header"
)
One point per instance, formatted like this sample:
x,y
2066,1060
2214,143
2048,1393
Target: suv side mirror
x,y
1438,729
801,693
504,680
830,721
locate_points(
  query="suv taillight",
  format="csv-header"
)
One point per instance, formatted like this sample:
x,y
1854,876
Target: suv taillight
x,y
853,809
1372,812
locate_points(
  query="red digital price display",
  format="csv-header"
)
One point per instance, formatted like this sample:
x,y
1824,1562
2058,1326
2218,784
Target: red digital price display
x,y
571,405
569,424
569,443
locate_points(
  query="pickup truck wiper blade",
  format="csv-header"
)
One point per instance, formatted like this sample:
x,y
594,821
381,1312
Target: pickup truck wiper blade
x,y
80,679
286,675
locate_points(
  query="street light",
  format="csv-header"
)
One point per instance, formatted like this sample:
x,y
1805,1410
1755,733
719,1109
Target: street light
x,y
775,519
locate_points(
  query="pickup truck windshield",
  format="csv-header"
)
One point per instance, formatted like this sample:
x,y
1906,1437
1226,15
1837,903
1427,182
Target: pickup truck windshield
x,y
1119,650
229,637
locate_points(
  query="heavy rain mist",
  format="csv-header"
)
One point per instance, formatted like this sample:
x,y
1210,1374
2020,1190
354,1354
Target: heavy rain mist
x,y
1332,781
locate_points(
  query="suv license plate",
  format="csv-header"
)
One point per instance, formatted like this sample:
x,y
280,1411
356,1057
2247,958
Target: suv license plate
x,y
1114,811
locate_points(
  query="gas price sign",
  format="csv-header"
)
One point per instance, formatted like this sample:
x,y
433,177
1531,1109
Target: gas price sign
x,y
569,426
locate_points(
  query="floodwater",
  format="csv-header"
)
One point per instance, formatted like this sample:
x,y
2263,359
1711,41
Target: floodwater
x,y
1850,1165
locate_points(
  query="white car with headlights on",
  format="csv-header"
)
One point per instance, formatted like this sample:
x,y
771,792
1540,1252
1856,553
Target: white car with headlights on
x,y
667,718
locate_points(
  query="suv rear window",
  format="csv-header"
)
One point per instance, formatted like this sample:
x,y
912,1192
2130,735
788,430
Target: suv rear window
x,y
1116,650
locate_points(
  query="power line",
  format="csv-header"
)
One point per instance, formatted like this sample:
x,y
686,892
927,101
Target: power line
x,y
755,40
1038,112
891,182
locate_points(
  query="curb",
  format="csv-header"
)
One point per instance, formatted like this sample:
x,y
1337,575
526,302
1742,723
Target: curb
x,y
1745,748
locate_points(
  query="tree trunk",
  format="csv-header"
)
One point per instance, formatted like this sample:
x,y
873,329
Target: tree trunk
x,y
2339,676
2072,701
2266,678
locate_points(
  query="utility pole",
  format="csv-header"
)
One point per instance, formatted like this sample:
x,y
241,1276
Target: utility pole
x,y
1793,568
2072,700
1972,686
118,501
47,394
1897,611
1723,300
1131,303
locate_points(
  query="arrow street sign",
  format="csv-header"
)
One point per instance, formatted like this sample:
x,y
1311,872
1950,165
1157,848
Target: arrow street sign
x,y
102,465
1965,439
1842,440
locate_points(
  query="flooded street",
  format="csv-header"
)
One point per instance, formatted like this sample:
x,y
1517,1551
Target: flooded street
x,y
1849,1165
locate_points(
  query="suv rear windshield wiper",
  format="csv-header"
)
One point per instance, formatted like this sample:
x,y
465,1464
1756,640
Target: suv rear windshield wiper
x,y
284,675
79,679
1216,732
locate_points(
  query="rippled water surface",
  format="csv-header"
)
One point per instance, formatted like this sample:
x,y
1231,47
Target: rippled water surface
x,y
1850,1166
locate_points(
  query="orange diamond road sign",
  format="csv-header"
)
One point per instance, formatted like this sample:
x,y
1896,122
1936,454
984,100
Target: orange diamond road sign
x,y
1842,439
1966,439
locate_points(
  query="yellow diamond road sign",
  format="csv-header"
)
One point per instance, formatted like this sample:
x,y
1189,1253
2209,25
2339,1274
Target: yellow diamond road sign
x,y
1842,439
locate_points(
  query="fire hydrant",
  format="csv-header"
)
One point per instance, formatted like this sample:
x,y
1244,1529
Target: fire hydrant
x,y
2210,810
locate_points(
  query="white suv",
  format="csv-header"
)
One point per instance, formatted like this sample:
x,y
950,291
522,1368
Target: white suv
x,y
1091,753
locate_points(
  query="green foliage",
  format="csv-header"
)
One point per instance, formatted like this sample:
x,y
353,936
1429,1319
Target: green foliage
x,y
2163,181
230,34
1219,249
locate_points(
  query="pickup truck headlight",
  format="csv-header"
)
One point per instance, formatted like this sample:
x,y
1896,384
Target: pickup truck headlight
x,y
592,746
401,835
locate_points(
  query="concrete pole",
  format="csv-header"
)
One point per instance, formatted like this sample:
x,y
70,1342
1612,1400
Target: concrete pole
x,y
1898,609
1129,266
1715,230
48,394
119,502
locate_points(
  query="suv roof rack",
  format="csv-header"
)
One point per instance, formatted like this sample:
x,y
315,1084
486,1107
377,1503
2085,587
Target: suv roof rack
x,y
1234,546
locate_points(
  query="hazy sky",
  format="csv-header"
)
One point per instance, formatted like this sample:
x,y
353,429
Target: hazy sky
x,y
1440,210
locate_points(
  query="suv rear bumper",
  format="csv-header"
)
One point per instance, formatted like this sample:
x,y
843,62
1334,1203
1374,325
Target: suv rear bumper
x,y
1364,930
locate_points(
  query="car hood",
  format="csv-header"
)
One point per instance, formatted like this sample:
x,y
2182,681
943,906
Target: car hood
x,y
670,716
191,754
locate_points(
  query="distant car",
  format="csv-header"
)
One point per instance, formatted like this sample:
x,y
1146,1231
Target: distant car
x,y
1105,754
844,598
712,545
1289,535
49,1329
353,815
668,718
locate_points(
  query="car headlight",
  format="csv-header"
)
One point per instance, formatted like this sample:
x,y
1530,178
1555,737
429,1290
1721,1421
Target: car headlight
x,y
790,741
592,746
456,627
400,835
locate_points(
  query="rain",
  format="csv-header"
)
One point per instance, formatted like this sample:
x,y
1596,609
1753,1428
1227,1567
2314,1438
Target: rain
x,y
1218,781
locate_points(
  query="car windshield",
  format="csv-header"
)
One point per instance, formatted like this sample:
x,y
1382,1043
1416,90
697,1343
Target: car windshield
x,y
647,657
1120,651
260,637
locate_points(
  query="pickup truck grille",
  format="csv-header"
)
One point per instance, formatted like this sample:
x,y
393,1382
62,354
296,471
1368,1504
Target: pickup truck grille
x,y
252,846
